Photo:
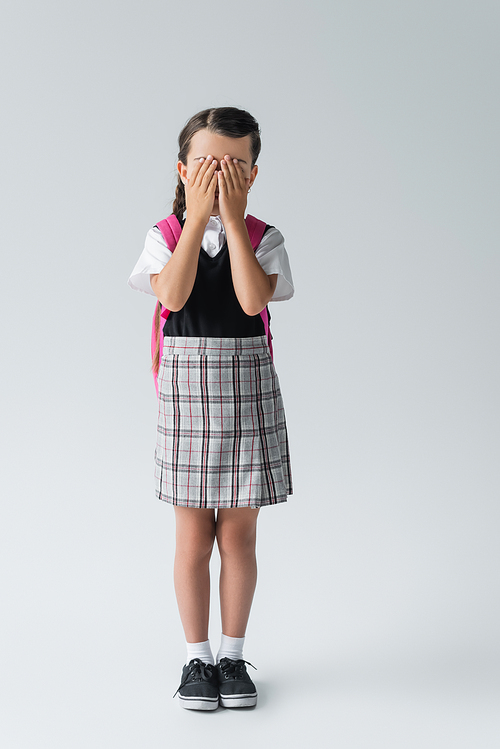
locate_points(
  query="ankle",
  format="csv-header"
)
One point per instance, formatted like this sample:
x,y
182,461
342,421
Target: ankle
x,y
230,647
201,650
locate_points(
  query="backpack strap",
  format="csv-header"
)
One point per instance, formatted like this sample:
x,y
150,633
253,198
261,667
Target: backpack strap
x,y
256,229
171,231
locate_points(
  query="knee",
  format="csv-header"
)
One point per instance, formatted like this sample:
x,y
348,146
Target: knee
x,y
234,541
196,543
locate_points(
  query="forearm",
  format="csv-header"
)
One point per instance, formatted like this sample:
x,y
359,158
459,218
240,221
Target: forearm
x,y
252,286
174,283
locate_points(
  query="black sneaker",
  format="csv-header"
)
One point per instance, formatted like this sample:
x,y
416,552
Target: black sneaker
x,y
236,689
198,689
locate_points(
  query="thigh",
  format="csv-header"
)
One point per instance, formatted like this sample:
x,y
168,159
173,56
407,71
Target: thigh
x,y
194,526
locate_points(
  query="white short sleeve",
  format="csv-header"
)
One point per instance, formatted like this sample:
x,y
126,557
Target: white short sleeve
x,y
270,253
273,258
153,259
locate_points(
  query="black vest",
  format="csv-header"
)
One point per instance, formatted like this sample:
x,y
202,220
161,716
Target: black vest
x,y
212,308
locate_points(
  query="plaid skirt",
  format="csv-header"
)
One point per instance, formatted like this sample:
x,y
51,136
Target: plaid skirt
x,y
221,437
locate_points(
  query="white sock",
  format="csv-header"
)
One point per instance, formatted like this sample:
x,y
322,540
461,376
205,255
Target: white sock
x,y
230,647
200,650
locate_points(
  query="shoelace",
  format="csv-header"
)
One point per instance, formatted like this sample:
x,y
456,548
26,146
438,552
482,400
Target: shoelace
x,y
233,668
197,671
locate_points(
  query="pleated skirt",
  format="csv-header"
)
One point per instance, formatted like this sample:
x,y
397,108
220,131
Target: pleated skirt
x,y
221,439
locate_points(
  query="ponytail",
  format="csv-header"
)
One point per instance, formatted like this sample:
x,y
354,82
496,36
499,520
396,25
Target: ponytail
x,y
158,332
179,204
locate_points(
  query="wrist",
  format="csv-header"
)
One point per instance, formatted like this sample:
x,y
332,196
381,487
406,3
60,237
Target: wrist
x,y
234,223
195,222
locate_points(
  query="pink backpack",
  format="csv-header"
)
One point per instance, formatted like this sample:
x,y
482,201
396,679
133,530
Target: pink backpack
x,y
171,231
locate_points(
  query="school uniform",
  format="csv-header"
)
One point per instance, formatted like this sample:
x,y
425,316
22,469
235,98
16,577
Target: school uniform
x,y
221,436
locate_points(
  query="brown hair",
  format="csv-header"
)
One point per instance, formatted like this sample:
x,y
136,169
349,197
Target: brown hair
x,y
228,121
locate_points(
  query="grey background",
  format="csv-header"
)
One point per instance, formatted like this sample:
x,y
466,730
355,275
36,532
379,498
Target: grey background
x,y
376,618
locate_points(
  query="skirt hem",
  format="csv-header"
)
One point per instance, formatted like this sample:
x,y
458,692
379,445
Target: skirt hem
x,y
225,506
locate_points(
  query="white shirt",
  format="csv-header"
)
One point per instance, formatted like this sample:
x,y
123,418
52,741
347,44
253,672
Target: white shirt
x,y
270,253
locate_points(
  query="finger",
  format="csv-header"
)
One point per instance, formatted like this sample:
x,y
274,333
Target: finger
x,y
204,166
235,171
226,167
194,171
222,183
208,174
238,169
213,183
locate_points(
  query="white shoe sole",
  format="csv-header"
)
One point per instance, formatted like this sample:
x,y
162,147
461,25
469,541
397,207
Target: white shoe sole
x,y
239,700
195,703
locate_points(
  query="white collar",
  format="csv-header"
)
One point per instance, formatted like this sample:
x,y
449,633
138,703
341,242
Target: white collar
x,y
215,222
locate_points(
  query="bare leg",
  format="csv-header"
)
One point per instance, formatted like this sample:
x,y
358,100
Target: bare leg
x,y
194,539
236,535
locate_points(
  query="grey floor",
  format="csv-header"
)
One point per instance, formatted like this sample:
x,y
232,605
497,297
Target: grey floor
x,y
126,702
94,659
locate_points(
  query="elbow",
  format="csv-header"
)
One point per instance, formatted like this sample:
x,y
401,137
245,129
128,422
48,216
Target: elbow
x,y
253,303
172,306
168,299
251,308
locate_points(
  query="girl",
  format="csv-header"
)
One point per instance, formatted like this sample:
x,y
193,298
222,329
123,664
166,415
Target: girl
x,y
222,447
